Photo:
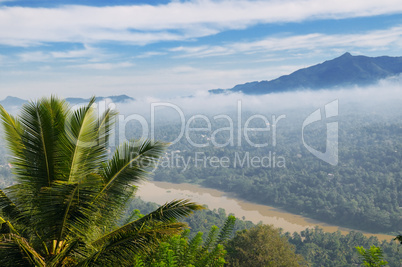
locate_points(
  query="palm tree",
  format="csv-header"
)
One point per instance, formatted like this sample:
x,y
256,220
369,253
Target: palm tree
x,y
70,194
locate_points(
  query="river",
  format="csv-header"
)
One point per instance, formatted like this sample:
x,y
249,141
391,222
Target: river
x,y
161,192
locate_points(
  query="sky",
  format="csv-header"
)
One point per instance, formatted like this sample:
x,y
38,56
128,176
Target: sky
x,y
179,48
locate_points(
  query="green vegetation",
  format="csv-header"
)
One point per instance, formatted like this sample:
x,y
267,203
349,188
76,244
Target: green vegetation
x,y
69,194
261,246
182,251
399,238
69,201
372,257
334,249
200,221
319,248
363,192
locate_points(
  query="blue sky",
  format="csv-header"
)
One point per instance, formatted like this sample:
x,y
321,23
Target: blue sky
x,y
179,48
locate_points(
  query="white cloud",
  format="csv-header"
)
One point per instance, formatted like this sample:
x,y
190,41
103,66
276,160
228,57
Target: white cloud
x,y
37,56
104,66
137,82
88,54
88,51
374,98
151,54
143,24
2,58
374,40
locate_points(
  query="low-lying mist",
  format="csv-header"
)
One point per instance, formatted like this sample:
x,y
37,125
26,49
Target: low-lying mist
x,y
382,98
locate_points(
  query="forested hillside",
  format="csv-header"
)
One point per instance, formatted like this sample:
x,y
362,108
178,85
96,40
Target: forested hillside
x,y
364,191
316,246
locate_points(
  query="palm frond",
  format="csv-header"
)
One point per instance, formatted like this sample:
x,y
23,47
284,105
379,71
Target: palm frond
x,y
100,137
13,131
70,213
6,227
41,124
11,244
8,208
32,139
104,127
62,257
78,145
124,246
130,164
167,213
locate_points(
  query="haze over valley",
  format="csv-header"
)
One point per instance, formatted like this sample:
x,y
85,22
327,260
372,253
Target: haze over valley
x,y
282,118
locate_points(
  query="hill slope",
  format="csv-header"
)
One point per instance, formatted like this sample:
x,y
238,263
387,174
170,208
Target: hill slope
x,y
346,70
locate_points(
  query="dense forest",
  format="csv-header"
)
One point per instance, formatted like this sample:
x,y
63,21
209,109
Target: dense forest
x,y
364,191
319,248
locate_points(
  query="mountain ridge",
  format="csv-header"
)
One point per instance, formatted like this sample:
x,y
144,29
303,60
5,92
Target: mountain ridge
x,y
12,101
345,70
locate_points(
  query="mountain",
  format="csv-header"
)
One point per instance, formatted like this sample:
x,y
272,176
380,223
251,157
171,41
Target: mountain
x,y
13,102
346,70
114,99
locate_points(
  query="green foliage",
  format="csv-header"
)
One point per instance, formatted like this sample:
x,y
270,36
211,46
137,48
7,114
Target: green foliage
x,y
362,192
262,245
334,249
69,194
372,257
318,247
199,221
179,250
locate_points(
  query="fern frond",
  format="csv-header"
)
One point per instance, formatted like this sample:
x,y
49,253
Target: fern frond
x,y
227,229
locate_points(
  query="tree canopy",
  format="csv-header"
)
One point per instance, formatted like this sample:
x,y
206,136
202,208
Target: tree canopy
x,y
261,246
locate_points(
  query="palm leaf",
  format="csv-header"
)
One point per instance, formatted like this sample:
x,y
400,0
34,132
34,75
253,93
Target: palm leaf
x,y
63,257
32,141
13,131
97,150
12,242
41,124
70,214
6,227
79,141
8,208
167,213
122,247
130,164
